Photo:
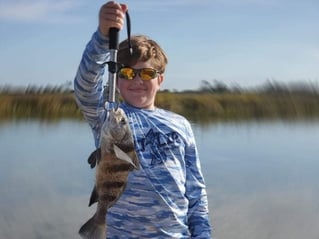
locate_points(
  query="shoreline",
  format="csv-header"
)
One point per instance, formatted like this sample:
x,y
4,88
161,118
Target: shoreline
x,y
196,106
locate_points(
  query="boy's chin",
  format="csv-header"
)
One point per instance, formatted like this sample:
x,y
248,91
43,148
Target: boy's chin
x,y
141,105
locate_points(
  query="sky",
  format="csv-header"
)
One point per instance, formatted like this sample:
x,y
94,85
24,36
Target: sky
x,y
237,42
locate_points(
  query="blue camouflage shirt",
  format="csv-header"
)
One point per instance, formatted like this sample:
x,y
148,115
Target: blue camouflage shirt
x,y
166,197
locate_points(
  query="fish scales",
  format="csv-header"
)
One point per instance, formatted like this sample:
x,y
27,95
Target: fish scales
x,y
113,160
111,177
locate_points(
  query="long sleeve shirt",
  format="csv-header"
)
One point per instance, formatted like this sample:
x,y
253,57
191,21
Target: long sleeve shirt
x,y
166,197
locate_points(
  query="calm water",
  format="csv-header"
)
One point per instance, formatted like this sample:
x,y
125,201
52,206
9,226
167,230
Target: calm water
x,y
262,179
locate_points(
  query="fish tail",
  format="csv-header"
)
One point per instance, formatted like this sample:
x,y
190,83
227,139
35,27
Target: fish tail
x,y
92,230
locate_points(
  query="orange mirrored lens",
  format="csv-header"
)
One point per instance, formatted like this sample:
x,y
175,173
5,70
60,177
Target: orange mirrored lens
x,y
147,73
129,73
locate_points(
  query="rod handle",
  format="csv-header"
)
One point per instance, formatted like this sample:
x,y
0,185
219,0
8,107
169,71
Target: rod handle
x,y
114,38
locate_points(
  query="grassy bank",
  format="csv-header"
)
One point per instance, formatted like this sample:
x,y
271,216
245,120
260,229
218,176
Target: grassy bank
x,y
196,106
238,106
47,106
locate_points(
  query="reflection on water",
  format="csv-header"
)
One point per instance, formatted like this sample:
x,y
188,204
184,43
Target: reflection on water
x,y
44,179
262,179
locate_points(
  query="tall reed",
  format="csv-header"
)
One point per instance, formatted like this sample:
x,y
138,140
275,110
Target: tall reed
x,y
197,106
43,106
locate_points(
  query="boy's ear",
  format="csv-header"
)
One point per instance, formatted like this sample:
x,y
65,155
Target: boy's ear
x,y
160,79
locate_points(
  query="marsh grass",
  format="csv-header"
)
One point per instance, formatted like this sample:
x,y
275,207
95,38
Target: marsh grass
x,y
196,106
239,106
47,106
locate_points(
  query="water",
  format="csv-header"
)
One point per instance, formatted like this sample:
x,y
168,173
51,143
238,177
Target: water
x,y
262,179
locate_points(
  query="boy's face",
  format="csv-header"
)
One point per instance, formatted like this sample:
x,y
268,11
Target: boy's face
x,y
139,93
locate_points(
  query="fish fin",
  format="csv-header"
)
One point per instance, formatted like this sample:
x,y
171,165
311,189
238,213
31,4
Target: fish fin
x,y
94,196
93,230
94,158
122,155
133,156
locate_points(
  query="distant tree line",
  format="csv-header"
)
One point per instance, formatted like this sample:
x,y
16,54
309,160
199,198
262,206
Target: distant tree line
x,y
35,89
211,101
270,86
214,86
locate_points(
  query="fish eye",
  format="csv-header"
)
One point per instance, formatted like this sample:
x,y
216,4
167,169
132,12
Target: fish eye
x,y
123,121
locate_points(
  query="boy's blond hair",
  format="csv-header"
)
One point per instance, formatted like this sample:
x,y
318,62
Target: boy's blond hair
x,y
144,49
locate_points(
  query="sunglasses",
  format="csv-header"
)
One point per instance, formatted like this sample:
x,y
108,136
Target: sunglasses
x,y
129,73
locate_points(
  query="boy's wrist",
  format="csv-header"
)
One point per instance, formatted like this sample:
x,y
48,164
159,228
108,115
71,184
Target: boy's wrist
x,y
101,37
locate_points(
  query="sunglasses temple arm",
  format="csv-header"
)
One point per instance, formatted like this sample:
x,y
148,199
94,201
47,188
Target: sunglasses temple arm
x,y
112,67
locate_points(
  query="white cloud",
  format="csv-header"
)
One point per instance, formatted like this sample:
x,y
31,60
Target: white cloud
x,y
252,2
45,10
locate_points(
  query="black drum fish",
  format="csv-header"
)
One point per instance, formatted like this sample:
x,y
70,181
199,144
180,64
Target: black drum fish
x,y
114,160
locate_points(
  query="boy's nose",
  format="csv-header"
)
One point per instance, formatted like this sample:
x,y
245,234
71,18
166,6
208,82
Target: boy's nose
x,y
137,78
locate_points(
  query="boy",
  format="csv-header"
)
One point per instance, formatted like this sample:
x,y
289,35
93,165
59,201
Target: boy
x,y
166,197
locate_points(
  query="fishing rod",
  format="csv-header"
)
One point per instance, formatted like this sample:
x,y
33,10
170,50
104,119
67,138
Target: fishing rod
x,y
113,65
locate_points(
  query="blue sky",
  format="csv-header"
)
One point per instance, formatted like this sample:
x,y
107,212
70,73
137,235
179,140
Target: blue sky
x,y
238,42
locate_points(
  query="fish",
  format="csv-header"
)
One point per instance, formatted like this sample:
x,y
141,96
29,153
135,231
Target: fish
x,y
114,160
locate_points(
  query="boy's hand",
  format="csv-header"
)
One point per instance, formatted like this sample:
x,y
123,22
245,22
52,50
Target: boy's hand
x,y
111,14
